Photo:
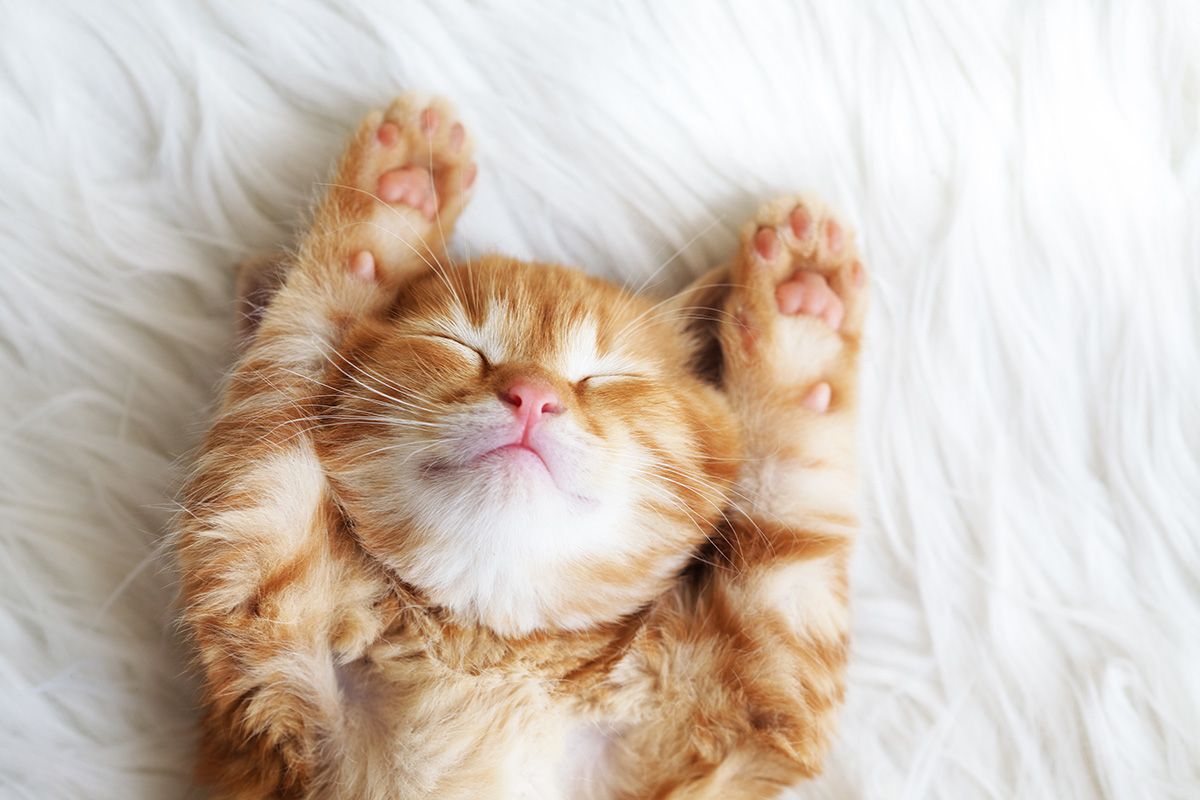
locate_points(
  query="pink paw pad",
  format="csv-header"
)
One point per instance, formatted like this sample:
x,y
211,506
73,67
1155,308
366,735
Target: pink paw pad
x,y
362,266
431,120
457,136
790,297
766,243
412,186
801,222
809,293
388,134
833,236
818,398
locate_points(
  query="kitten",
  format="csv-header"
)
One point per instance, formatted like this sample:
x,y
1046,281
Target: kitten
x,y
500,529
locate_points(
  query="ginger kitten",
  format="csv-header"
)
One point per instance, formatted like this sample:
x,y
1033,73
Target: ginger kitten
x,y
501,529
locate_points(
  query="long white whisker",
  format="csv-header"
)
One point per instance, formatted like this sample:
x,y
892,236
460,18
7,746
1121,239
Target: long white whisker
x,y
713,222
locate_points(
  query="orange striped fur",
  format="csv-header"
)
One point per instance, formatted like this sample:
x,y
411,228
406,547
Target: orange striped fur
x,y
384,605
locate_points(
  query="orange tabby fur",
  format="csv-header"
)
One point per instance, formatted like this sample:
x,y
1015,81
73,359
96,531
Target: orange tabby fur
x,y
382,607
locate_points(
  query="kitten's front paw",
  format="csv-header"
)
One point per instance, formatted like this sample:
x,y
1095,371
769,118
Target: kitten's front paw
x,y
399,188
797,307
421,158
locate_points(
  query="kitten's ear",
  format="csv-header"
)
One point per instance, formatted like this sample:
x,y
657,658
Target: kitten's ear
x,y
699,309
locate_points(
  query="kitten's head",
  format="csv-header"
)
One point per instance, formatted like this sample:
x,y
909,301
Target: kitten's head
x,y
527,445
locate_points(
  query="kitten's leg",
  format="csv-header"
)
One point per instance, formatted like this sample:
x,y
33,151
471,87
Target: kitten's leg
x,y
396,193
271,600
791,372
257,281
756,649
398,190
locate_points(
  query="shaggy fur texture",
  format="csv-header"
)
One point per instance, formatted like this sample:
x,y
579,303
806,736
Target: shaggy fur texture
x,y
1025,175
453,521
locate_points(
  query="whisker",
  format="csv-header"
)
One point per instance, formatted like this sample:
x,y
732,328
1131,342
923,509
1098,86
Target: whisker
x,y
711,224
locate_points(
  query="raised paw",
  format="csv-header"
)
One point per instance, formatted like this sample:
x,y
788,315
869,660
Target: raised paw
x,y
398,189
809,258
798,300
420,158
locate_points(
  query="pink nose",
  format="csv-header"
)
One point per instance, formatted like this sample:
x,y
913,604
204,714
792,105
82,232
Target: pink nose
x,y
530,401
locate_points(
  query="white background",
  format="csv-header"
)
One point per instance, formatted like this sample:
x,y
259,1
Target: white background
x,y
1026,182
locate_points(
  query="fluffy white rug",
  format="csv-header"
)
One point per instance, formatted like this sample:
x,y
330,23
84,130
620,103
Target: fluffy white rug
x,y
1026,179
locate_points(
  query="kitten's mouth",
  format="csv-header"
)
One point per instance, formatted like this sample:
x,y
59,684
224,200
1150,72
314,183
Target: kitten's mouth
x,y
515,452
521,450
515,458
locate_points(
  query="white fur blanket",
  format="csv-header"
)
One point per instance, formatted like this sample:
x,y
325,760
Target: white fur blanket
x,y
1026,180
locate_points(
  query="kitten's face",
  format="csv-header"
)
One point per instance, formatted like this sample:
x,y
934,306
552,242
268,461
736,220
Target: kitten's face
x,y
527,445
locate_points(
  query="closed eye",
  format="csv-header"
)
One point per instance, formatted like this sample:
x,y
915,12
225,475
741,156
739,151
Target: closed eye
x,y
456,344
610,377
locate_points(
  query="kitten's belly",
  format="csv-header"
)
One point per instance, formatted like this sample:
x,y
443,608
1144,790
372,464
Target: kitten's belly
x,y
586,765
558,759
471,738
563,758
557,756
